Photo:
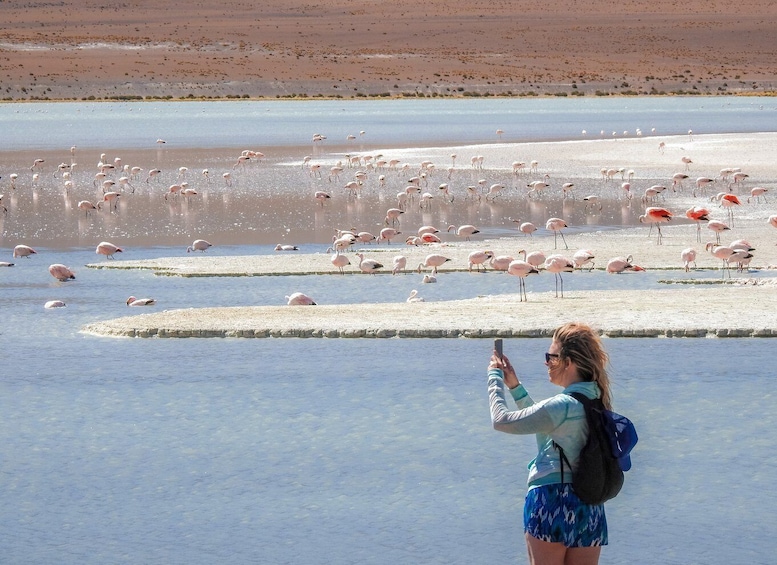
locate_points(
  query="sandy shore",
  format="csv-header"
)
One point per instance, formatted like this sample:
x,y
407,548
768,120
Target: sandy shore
x,y
676,310
76,50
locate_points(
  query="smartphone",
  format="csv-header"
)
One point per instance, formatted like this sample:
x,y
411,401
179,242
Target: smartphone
x,y
498,346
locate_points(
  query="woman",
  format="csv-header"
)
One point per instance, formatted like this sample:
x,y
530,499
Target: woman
x,y
559,528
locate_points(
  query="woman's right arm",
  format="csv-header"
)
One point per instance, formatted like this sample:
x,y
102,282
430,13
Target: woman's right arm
x,y
530,418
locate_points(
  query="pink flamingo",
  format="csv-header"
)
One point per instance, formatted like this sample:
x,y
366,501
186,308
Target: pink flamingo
x,y
702,183
717,227
392,215
108,249
369,266
556,225
86,206
501,262
54,304
112,198
387,234
61,272
698,215
321,197
23,251
479,258
526,228
583,257
299,299
466,231
521,269
400,262
199,245
132,301
723,253
688,256
434,261
622,264
339,261
558,264
728,201
757,192
655,215
773,221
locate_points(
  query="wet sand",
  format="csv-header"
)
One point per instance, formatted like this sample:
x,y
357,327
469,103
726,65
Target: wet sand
x,y
336,49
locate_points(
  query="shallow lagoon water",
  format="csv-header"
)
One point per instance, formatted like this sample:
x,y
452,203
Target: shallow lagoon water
x,y
345,450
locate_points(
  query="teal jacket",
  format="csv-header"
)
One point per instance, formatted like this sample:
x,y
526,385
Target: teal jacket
x,y
559,418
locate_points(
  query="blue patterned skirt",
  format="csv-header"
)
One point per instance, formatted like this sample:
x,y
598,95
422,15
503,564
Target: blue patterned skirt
x,y
555,514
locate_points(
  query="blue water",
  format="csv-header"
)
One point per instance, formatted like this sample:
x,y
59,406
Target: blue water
x,y
260,124
341,451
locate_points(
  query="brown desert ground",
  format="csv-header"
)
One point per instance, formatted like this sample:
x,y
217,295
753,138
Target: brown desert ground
x,y
162,48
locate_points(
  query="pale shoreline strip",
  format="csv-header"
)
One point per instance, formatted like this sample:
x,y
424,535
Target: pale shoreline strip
x,y
747,311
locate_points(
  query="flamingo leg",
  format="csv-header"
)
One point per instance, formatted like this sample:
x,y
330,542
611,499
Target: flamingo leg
x,y
564,240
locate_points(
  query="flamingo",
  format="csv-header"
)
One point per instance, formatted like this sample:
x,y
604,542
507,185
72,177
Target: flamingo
x,y
478,258
434,261
702,183
429,279
526,228
466,231
583,257
321,197
400,262
369,266
86,206
728,201
501,262
54,304
737,178
773,221
299,299
132,301
23,251
535,258
556,225
494,191
199,245
698,215
339,261
717,227
414,297
723,253
61,272
521,269
387,234
393,215
656,216
430,238
741,255
757,192
688,256
153,173
108,249
687,161
286,247
112,198
558,264
677,180
622,264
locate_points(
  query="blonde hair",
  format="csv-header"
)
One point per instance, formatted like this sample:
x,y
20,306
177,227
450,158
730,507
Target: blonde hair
x,y
581,344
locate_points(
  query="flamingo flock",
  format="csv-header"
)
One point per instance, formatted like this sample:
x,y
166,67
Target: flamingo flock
x,y
115,186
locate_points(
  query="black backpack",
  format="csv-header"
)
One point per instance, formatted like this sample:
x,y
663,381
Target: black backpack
x,y
605,455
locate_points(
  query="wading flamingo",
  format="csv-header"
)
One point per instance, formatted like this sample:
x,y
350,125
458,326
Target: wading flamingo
x,y
558,264
108,249
654,215
61,272
199,245
521,269
299,299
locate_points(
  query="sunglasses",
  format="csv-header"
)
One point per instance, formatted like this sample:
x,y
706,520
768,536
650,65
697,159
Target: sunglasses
x,y
550,356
